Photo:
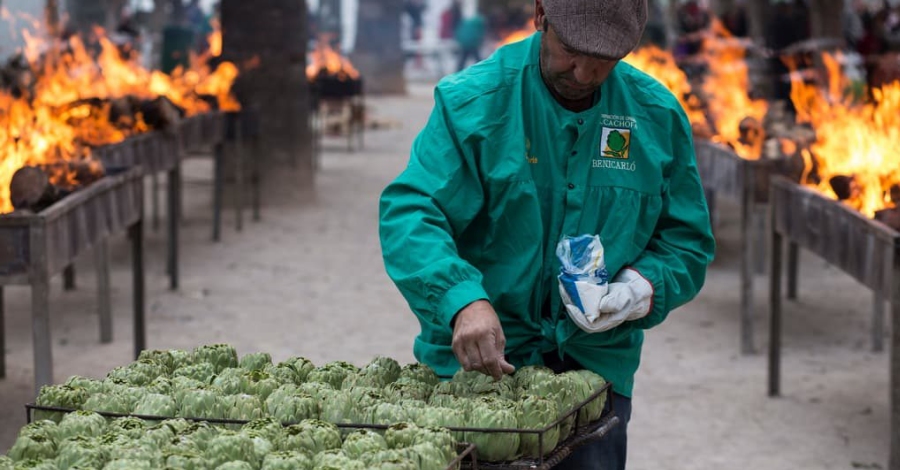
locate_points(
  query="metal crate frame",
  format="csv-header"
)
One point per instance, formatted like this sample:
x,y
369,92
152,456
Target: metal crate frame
x,y
36,246
864,249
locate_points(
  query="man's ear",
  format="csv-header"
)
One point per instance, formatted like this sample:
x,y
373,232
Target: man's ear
x,y
540,19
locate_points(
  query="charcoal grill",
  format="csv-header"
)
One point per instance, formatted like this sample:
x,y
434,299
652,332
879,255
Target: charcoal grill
x,y
723,172
864,249
36,246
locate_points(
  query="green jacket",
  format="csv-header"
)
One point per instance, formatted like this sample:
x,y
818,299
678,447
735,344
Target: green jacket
x,y
501,172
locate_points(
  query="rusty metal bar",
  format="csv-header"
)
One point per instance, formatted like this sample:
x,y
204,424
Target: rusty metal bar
x,y
101,252
136,233
172,225
793,269
775,314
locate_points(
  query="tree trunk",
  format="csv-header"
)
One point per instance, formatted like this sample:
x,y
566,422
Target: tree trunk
x,y
272,34
825,21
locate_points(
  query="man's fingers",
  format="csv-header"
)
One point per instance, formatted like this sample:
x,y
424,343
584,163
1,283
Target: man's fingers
x,y
506,367
492,357
474,358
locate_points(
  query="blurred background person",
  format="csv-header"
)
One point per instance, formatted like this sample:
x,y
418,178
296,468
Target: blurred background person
x,y
470,35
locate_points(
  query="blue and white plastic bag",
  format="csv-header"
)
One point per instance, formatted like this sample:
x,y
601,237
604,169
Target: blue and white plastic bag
x,y
583,279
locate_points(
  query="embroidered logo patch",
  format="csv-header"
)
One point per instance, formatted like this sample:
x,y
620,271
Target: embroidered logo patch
x,y
615,142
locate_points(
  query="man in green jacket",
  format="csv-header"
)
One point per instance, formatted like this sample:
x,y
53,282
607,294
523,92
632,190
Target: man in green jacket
x,y
549,137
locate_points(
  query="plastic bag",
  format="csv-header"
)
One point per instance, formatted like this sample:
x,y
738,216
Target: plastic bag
x,y
583,279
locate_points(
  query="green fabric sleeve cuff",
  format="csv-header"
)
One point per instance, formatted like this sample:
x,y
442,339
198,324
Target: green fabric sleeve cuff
x,y
458,297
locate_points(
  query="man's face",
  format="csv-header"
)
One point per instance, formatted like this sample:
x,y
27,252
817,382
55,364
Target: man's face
x,y
572,75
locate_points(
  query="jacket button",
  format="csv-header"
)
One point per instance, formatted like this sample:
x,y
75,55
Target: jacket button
x,y
571,186
574,152
580,122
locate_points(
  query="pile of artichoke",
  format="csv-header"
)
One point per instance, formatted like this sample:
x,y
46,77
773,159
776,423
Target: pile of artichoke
x,y
85,440
211,382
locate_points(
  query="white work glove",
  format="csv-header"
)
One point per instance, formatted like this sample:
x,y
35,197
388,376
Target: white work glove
x,y
630,297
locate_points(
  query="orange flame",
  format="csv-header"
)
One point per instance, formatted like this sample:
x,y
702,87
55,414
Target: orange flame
x,y
65,103
852,139
328,61
519,35
660,65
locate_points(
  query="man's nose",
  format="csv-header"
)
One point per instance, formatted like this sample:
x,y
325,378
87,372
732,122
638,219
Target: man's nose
x,y
585,71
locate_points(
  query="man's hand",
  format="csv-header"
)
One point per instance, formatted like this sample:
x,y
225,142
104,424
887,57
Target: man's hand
x,y
479,342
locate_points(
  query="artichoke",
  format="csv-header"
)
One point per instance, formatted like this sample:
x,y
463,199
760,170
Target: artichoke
x,y
385,413
201,433
157,436
142,451
270,428
283,374
227,447
130,427
403,389
160,385
181,384
316,390
527,376
593,410
45,428
401,435
128,464
444,418
200,404
59,396
338,408
91,386
336,461
287,460
180,358
359,443
154,404
107,403
385,367
560,389
163,358
256,361
503,388
81,423
301,365
262,446
287,405
362,379
535,413
421,373
203,372
425,456
235,465
139,373
241,407
37,446
36,464
396,463
581,391
332,373
129,395
258,383
185,460
6,463
494,413
80,452
177,425
221,356
312,436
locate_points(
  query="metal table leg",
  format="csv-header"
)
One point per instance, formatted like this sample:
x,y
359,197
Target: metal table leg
x,y
775,316
237,154
69,278
101,252
255,177
793,268
747,252
154,201
894,463
40,312
136,233
174,176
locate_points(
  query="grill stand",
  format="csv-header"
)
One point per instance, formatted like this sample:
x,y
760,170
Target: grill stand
x,y
37,246
241,145
864,249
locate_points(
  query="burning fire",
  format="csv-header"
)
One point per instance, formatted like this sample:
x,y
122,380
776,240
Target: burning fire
x,y
853,140
660,65
325,60
62,103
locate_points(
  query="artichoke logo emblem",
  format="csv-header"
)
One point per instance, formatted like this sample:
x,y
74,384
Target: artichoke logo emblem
x,y
616,142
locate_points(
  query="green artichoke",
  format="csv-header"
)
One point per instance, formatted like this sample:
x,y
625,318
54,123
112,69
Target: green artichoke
x,y
59,396
154,404
181,384
317,390
360,443
287,460
160,385
397,463
406,389
81,423
312,436
185,460
444,418
593,410
421,373
37,464
242,407
270,428
535,413
385,413
132,428
559,388
139,373
202,434
107,403
37,446
221,356
262,446
287,405
581,391
283,374
129,395
336,461
338,407
6,463
235,465
91,386
163,358
203,372
494,413
157,436
301,365
527,376
503,388
332,373
426,456
258,383
177,425
128,464
200,404
229,446
80,452
256,361
142,451
45,428
385,367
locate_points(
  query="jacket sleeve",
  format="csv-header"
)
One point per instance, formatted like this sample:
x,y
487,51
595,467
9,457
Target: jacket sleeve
x,y
431,201
682,245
